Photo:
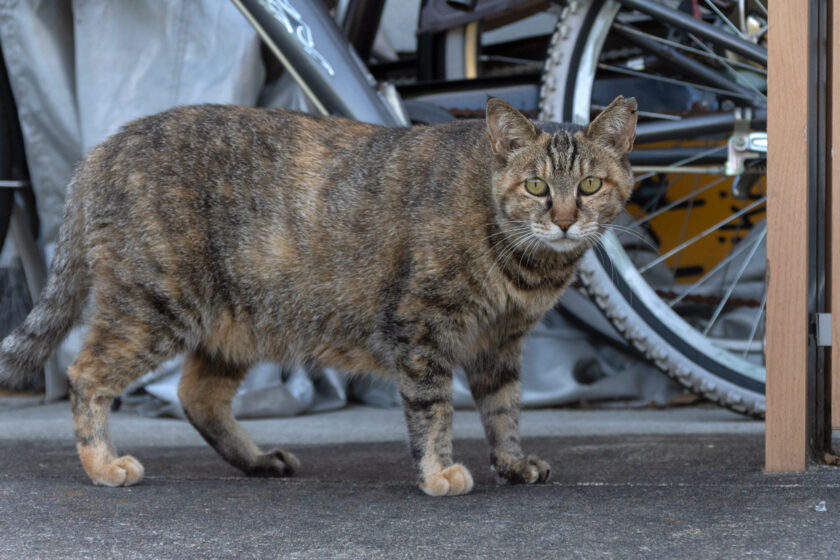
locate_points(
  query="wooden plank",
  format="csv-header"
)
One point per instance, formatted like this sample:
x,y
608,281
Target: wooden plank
x,y
787,237
833,80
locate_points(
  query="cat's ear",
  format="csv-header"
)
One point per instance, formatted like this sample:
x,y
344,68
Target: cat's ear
x,y
615,127
509,129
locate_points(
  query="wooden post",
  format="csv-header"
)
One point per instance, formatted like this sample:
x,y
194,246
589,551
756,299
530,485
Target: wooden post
x,y
786,446
833,82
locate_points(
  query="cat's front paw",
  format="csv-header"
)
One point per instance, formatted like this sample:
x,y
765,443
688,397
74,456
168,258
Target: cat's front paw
x,y
125,471
529,470
451,481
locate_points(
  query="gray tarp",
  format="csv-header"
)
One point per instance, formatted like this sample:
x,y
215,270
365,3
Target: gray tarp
x,y
80,69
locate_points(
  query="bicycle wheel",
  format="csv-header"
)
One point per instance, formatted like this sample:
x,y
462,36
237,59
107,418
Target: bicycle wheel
x,y
695,305
510,43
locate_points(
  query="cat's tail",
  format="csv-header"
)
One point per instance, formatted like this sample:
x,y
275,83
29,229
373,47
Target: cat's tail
x,y
60,305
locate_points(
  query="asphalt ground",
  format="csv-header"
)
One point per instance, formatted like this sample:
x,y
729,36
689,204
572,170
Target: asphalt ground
x,y
661,490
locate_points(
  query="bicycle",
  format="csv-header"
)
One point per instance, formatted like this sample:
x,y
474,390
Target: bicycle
x,y
711,56
595,45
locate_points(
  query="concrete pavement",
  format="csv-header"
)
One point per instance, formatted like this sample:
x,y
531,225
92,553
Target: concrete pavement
x,y
677,483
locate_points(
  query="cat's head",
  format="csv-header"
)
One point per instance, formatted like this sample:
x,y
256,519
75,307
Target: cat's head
x,y
561,187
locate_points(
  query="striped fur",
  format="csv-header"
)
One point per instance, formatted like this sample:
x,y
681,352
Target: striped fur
x,y
237,235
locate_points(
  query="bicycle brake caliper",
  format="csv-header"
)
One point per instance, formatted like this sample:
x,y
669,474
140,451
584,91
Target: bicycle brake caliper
x,y
743,145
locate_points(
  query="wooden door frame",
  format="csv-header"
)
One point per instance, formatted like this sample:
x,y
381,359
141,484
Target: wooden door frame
x,y
798,233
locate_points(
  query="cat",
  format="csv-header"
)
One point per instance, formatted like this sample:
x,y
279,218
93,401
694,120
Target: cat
x,y
237,234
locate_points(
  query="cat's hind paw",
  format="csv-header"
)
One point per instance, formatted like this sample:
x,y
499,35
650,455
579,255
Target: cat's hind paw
x,y
451,481
275,463
528,470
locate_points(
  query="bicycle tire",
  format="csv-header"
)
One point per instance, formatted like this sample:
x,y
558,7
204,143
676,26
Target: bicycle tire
x,y
6,201
611,280
6,194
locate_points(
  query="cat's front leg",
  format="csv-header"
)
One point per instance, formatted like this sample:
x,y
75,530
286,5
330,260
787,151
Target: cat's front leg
x,y
494,383
425,383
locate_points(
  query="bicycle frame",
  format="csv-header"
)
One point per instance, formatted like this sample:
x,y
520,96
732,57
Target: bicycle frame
x,y
695,126
312,48
309,43
689,24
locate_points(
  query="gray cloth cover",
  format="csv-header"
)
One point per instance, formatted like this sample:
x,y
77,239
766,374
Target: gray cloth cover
x,y
80,69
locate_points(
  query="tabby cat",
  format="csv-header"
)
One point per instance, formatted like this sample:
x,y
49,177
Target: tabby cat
x,y
237,235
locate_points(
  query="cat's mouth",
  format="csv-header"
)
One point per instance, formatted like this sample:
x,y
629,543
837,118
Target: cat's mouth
x,y
562,243
559,240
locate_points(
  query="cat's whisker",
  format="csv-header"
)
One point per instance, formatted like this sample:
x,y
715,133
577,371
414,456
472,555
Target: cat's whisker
x,y
512,253
508,251
535,247
504,231
633,233
528,248
512,249
518,229
517,238
515,232
618,227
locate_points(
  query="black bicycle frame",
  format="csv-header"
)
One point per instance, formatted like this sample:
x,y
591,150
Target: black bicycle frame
x,y
311,46
708,124
689,127
360,24
700,28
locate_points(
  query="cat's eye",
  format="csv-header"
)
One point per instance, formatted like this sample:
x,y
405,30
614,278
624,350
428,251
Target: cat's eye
x,y
536,187
590,185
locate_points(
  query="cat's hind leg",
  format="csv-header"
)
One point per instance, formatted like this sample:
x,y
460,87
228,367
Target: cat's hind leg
x,y
206,390
114,353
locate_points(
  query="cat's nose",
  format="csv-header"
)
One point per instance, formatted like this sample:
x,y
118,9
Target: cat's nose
x,y
563,215
564,223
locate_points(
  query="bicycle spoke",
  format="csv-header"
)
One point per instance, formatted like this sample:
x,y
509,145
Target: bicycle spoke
x,y
703,234
672,81
736,235
512,60
684,169
686,48
731,25
677,202
731,288
663,157
686,22
686,65
725,63
650,114
734,345
756,323
719,266
686,219
677,164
